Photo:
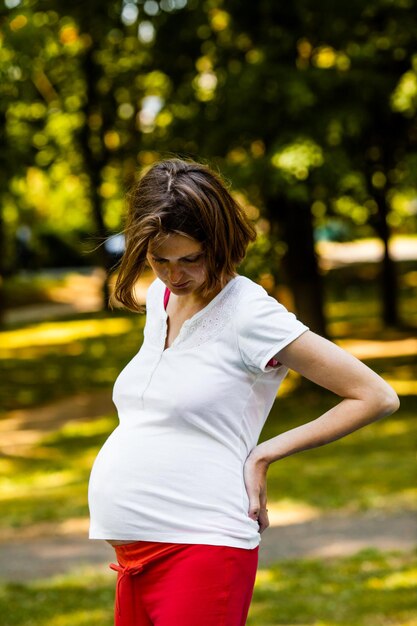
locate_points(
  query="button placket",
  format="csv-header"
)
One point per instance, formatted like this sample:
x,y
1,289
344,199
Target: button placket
x,y
163,333
204,324
151,375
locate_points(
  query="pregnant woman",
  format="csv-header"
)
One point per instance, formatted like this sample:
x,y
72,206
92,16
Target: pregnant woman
x,y
179,487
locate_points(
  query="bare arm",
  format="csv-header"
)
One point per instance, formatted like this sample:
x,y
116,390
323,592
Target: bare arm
x,y
366,398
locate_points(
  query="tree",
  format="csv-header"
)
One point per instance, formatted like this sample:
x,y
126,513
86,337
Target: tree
x,y
302,92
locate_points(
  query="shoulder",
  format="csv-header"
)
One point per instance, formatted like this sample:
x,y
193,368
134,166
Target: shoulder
x,y
254,299
155,291
260,315
249,289
263,326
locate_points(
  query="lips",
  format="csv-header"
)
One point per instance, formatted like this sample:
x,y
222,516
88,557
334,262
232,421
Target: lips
x,y
181,285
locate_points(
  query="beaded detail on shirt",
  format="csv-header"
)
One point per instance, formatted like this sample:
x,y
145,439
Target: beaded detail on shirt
x,y
196,332
207,323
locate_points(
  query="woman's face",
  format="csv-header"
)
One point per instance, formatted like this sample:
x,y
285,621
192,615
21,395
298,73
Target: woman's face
x,y
179,262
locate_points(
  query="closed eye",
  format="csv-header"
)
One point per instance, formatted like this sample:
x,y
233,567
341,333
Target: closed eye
x,y
183,260
191,260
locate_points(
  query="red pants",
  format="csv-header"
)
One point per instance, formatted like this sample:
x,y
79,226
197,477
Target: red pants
x,y
169,584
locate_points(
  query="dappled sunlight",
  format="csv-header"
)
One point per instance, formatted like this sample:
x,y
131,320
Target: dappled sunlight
x,y
264,576
81,429
336,253
373,349
78,618
41,482
352,474
73,525
288,511
82,598
84,292
45,505
57,333
290,383
17,438
298,158
38,447
403,378
349,310
294,591
45,474
388,427
403,387
297,591
346,328
396,580
67,527
405,499
268,580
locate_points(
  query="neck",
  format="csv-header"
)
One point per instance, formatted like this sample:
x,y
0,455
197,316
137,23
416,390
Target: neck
x,y
192,301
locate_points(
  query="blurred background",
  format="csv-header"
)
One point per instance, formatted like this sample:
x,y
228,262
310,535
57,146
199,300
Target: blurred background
x,y
309,112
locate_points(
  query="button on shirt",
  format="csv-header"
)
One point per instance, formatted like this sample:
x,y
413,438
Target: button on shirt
x,y
172,470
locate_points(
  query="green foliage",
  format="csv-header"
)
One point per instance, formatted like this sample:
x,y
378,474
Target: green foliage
x,y
288,99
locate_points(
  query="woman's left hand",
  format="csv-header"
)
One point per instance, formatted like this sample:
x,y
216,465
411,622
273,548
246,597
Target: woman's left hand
x,y
254,473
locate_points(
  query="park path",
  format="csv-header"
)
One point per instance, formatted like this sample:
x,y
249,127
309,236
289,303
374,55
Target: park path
x,y
23,558
47,550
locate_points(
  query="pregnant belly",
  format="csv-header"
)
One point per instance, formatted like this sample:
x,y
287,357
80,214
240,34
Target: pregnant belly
x,y
155,480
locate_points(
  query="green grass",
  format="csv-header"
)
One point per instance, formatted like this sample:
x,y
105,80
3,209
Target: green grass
x,y
50,482
45,361
371,588
368,589
83,599
370,468
353,296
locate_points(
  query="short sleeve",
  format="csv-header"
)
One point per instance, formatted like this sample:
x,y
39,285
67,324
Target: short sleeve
x,y
264,326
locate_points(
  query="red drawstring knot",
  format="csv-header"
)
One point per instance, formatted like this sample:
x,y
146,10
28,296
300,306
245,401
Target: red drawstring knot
x,y
123,571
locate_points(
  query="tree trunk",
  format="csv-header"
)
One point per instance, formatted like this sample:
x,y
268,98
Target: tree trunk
x,y
4,173
94,162
388,275
2,260
300,264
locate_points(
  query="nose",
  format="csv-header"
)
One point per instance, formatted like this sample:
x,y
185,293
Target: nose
x,y
175,275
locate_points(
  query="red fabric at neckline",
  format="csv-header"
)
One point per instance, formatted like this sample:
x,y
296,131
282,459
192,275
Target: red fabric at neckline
x,y
166,297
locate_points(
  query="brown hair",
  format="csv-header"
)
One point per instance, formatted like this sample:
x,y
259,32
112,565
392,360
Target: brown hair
x,y
187,198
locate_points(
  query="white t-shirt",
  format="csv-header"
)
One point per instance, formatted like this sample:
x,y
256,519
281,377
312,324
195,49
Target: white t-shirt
x,y
172,470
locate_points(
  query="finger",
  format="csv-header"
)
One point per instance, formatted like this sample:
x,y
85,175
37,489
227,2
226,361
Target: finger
x,y
254,507
263,520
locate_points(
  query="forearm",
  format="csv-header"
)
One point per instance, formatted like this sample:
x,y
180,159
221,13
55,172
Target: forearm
x,y
347,416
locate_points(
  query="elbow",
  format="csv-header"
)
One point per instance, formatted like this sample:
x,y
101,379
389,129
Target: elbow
x,y
381,400
388,401
393,403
